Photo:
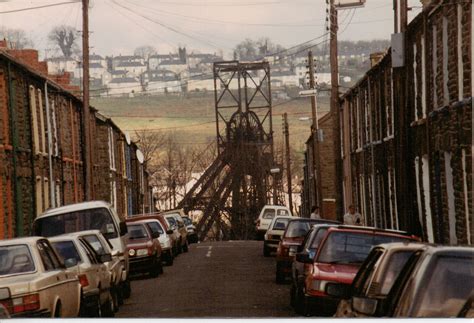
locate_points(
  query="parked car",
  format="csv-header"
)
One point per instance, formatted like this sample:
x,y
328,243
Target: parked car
x,y
103,248
34,281
436,281
95,215
375,277
172,234
164,239
266,216
337,260
176,223
290,241
93,274
274,233
144,251
302,264
191,228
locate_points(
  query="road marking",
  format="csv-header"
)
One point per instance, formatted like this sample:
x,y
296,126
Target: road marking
x,y
208,255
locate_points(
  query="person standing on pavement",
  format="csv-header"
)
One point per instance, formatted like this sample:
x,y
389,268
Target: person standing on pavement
x,y
315,213
352,217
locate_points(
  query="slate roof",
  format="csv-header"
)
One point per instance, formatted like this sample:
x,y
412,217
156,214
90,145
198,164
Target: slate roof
x,y
124,80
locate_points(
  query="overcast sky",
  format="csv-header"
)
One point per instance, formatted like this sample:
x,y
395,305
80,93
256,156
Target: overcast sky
x,y
119,26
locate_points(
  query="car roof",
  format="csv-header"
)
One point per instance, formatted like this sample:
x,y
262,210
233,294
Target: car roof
x,y
21,240
404,245
85,232
366,229
75,207
64,237
275,206
316,221
438,250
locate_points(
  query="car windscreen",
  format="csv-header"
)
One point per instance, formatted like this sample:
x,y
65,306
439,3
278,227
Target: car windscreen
x,y
297,229
90,219
280,224
351,247
320,234
447,285
67,250
171,220
95,243
268,214
137,232
155,227
187,221
15,259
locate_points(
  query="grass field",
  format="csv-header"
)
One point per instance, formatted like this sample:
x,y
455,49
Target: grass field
x,y
192,117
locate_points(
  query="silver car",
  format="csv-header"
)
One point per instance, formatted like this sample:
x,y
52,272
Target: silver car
x,y
34,281
93,274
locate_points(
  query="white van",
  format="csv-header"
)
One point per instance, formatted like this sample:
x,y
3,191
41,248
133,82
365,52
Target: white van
x,y
266,216
94,215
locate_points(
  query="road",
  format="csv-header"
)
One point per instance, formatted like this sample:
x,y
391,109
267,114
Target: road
x,y
214,279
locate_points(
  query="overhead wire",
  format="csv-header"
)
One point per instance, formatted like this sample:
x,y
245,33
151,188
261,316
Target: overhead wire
x,y
39,7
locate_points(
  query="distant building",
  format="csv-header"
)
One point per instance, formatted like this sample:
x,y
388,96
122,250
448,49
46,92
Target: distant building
x,y
286,78
201,84
60,65
133,68
177,66
124,86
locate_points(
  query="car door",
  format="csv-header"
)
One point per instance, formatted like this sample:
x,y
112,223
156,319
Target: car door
x,y
60,285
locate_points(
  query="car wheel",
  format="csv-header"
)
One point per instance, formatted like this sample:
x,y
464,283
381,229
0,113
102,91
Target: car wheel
x,y
169,260
58,311
126,289
292,295
107,310
306,310
114,292
154,269
97,312
299,295
186,246
266,251
279,275
160,266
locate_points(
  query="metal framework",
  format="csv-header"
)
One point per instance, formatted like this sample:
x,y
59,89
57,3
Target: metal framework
x,y
235,187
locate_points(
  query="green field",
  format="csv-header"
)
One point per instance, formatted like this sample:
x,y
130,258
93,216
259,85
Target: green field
x,y
192,117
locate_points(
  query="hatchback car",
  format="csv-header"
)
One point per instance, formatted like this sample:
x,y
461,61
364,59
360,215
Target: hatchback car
x,y
290,241
437,281
34,281
337,260
274,233
103,248
163,238
176,222
94,276
143,250
266,216
376,276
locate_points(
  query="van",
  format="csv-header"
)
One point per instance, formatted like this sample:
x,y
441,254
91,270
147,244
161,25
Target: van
x,y
266,216
94,215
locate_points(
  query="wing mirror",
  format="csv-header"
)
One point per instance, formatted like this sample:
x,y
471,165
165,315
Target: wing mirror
x,y
105,258
342,291
123,228
304,258
70,262
115,253
169,232
155,235
366,306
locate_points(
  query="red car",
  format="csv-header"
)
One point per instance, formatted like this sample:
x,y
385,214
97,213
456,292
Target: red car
x,y
290,241
337,260
144,250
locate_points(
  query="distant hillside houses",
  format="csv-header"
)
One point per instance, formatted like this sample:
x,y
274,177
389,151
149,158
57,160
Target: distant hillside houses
x,y
129,75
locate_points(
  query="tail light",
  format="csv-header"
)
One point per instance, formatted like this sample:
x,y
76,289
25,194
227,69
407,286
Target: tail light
x,y
22,304
284,250
258,222
83,280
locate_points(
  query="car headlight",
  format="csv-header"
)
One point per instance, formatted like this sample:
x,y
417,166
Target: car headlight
x,y
142,252
131,252
293,250
319,285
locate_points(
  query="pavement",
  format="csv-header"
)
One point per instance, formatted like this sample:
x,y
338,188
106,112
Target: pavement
x,y
228,279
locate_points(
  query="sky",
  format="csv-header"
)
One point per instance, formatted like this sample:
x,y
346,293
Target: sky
x,y
119,26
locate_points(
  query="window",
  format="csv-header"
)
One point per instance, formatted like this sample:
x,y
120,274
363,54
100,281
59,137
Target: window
x,y
280,224
91,255
155,227
460,55
423,79
58,193
415,84
67,250
111,149
320,234
95,243
15,259
393,268
137,232
42,131
453,239
435,65
268,214
46,193
48,257
426,194
54,129
446,98
39,195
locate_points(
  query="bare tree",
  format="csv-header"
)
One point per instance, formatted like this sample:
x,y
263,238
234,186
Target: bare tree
x,y
145,51
66,38
16,38
149,143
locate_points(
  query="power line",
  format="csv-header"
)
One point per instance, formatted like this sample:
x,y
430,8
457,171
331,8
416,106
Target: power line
x,y
39,7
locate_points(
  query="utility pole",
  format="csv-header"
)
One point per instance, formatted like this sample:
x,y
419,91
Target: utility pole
x,y
395,18
288,164
403,15
85,100
335,113
315,132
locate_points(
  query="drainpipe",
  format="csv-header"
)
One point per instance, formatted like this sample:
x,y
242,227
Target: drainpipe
x,y
19,223
52,191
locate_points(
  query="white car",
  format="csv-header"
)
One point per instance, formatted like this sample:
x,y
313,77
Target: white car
x,y
103,248
266,216
164,239
275,231
34,281
93,274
